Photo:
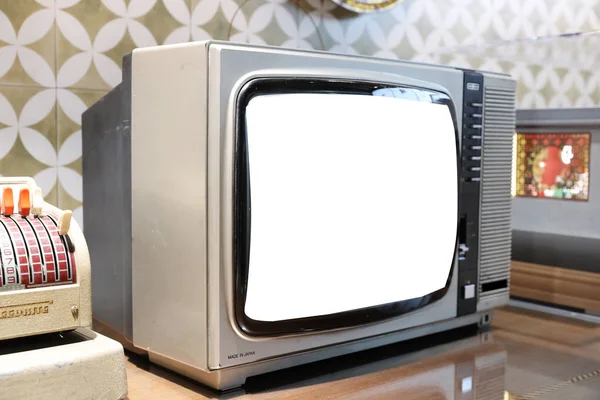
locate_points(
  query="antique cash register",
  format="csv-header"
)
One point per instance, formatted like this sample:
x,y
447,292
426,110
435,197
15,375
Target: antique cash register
x,y
46,343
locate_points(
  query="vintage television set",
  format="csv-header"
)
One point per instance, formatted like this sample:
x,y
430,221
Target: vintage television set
x,y
253,208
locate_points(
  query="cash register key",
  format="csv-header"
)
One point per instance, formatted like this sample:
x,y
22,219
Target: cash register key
x,y
24,202
8,202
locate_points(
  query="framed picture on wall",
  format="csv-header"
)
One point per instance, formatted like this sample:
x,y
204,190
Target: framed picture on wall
x,y
552,165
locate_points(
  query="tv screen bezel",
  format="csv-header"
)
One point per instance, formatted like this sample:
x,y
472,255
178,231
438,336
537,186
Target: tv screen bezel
x,y
242,208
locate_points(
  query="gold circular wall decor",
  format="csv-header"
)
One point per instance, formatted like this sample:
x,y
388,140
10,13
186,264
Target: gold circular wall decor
x,y
367,6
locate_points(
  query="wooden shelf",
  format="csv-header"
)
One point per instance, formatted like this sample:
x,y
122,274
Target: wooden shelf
x,y
566,287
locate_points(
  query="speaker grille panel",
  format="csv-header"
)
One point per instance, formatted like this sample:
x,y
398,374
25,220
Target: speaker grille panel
x,y
496,201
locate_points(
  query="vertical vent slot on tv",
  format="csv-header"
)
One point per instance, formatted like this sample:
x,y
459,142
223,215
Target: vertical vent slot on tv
x,y
496,202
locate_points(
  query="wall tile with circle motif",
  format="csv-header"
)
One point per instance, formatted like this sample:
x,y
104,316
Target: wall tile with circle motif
x,y
208,20
265,22
312,15
93,37
27,43
28,140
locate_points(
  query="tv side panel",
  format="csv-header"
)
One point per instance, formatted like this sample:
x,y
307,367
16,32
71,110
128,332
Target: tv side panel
x,y
496,202
168,133
106,159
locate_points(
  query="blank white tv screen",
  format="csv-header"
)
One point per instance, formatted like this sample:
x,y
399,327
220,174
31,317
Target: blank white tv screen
x,y
354,202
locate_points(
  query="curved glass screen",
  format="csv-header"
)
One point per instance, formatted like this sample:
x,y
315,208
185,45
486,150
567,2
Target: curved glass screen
x,y
353,202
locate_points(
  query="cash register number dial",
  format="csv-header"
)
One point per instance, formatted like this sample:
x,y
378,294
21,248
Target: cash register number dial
x,y
32,252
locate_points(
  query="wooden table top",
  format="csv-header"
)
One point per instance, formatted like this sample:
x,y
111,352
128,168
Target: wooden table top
x,y
523,353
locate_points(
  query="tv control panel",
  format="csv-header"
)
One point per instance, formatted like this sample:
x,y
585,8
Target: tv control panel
x,y
470,185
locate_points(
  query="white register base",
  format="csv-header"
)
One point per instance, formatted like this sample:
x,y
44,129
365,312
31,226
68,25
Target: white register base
x,y
75,365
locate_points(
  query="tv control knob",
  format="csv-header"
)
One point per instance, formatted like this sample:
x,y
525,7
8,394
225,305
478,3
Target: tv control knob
x,y
463,248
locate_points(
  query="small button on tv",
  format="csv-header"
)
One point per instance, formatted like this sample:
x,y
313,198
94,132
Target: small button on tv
x,y
468,292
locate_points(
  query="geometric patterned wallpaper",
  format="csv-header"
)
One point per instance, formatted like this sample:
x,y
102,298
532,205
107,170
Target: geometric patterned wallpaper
x,y
59,56
556,72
